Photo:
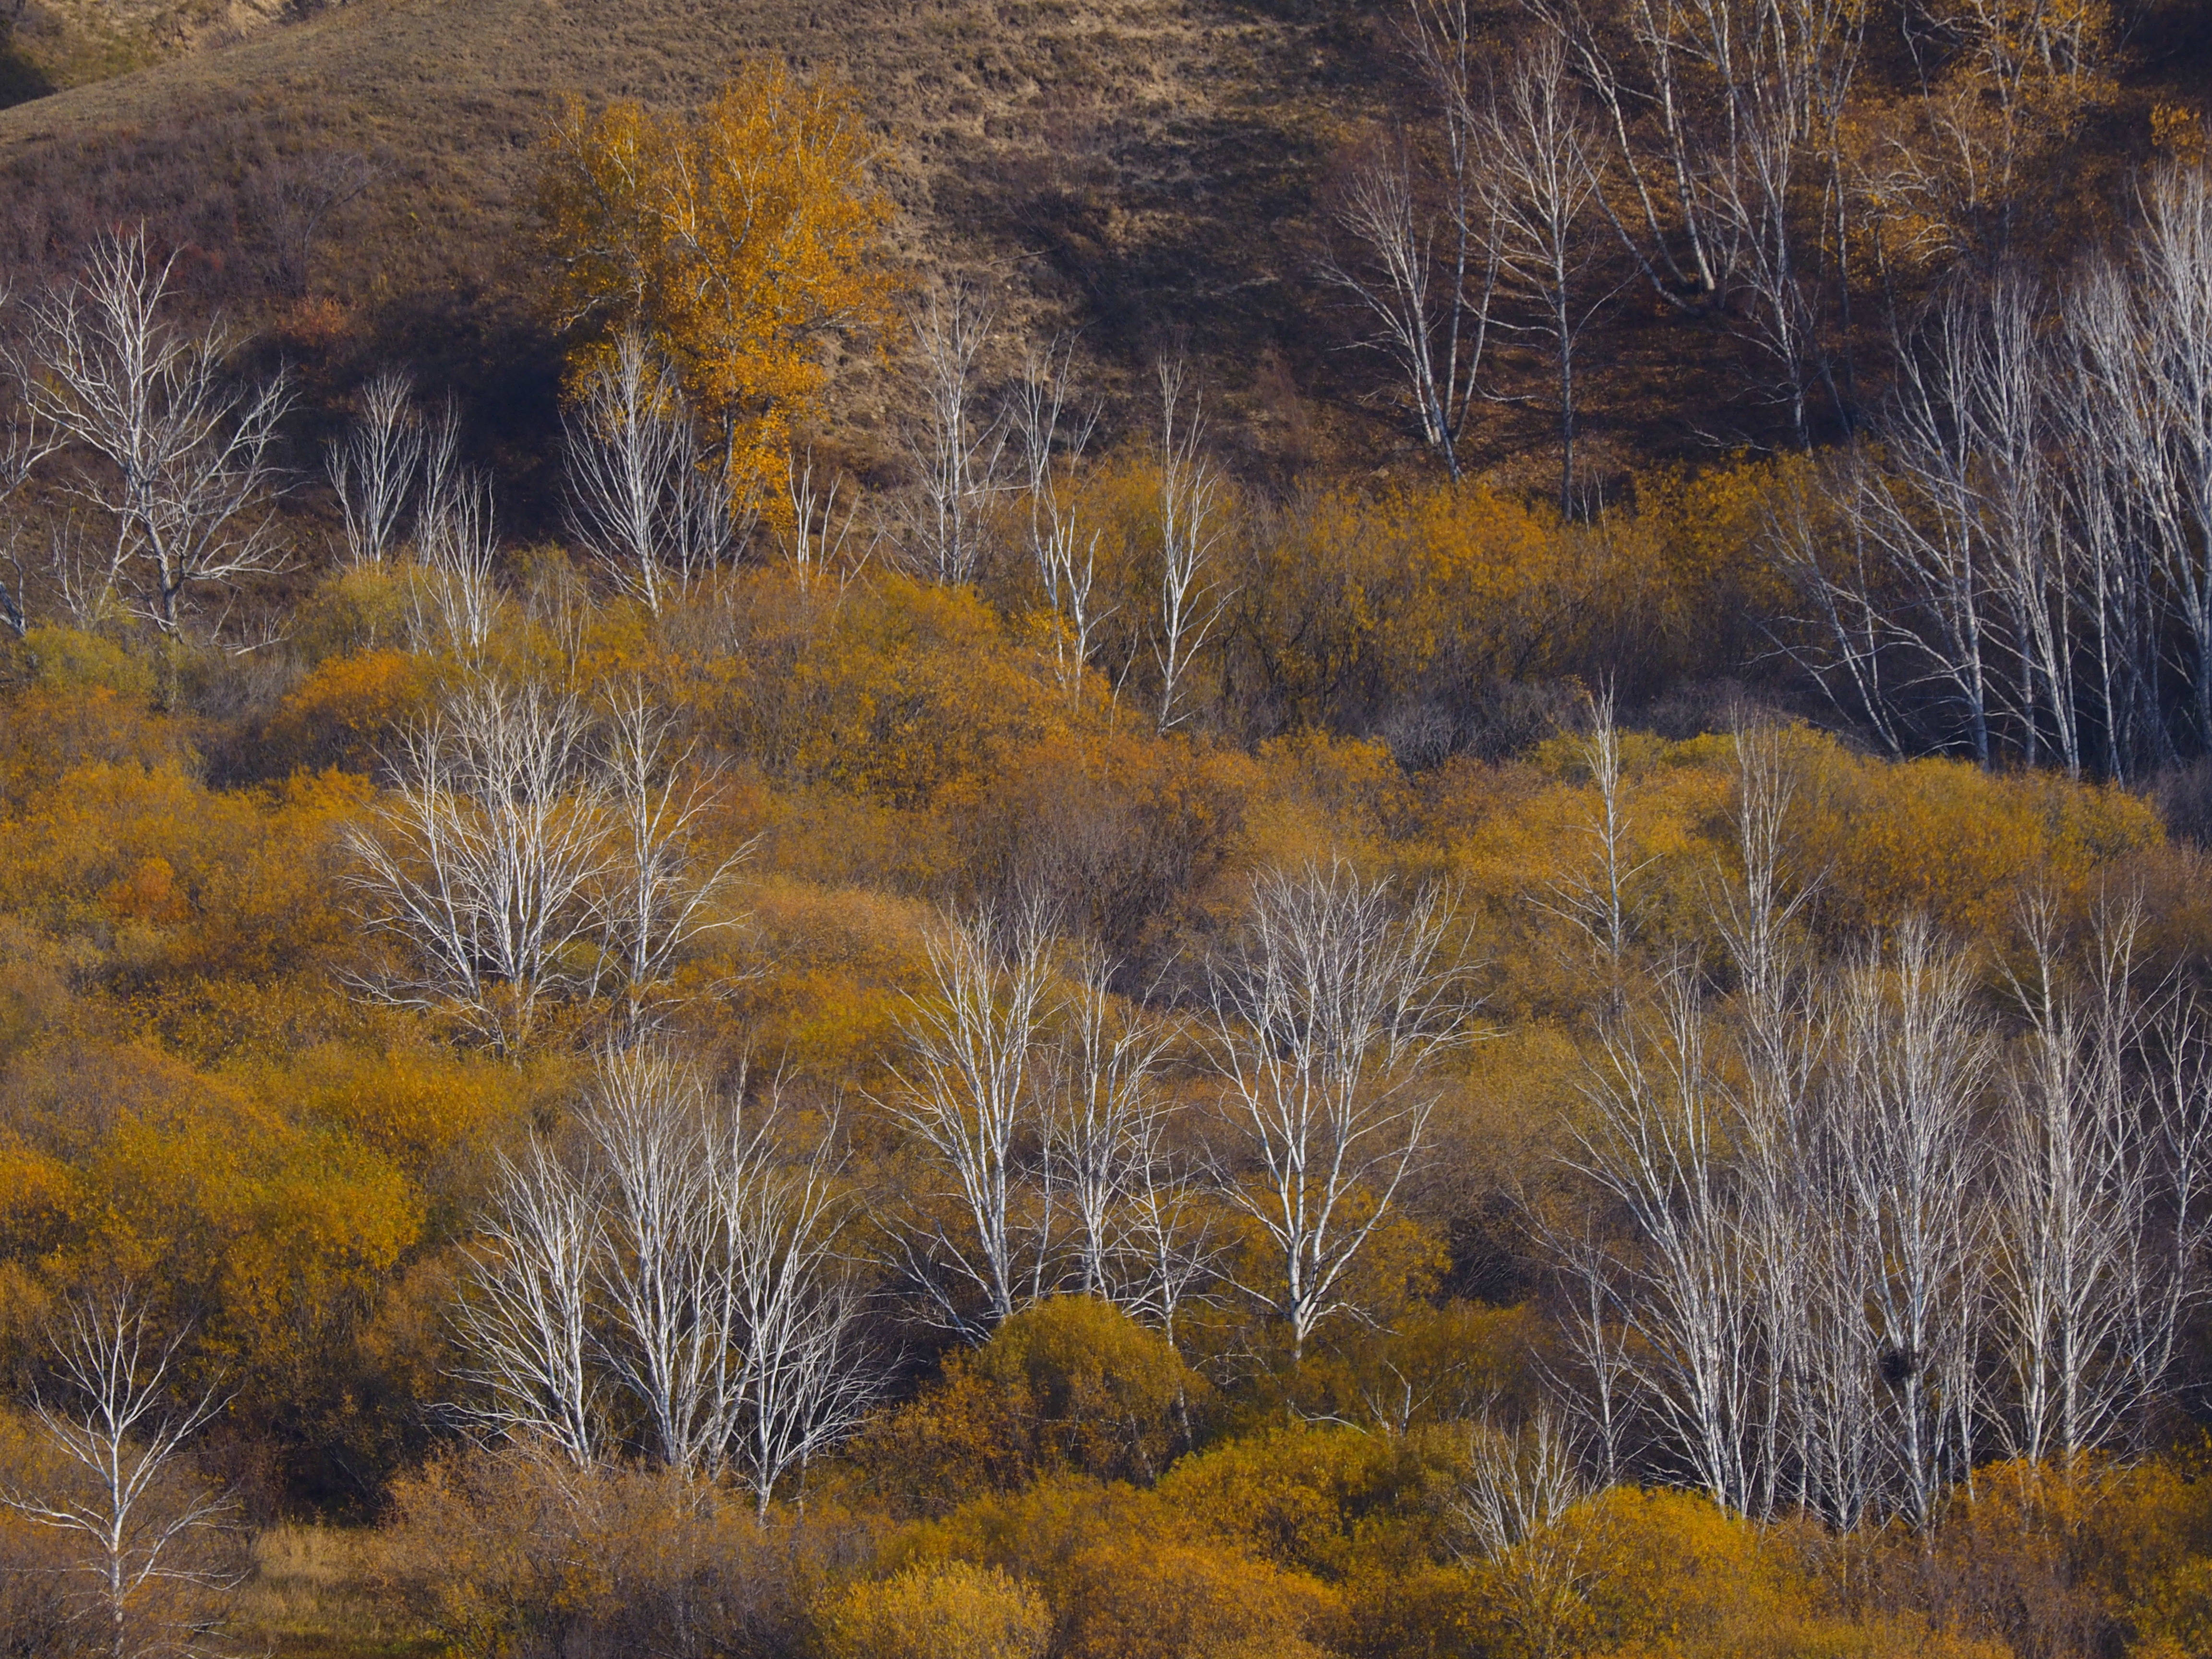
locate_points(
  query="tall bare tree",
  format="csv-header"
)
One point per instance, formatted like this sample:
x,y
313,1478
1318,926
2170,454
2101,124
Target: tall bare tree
x,y
373,468
654,901
136,1505
1193,596
967,1090
1052,438
1102,1118
1425,267
808,1376
957,449
1913,1056
675,1342
182,458
644,498
481,861
452,593
1540,184
1657,1149
1324,1024
2173,257
524,1318
1600,898
2097,1213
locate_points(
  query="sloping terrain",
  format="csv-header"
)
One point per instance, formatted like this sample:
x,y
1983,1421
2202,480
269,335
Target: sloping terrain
x,y
1138,168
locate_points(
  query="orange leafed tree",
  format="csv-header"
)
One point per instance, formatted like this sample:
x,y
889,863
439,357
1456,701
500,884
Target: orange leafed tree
x,y
739,239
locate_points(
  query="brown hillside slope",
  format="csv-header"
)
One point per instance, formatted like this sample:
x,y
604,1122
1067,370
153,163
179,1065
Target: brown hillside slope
x,y
1135,168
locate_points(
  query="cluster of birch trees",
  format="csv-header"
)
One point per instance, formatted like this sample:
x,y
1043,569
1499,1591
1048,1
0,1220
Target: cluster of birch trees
x,y
1051,1109
2016,560
1723,156
536,851
672,1280
675,1281
1848,1234
173,462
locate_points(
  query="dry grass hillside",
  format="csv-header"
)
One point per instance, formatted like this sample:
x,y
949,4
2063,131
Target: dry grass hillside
x,y
1143,172
1134,168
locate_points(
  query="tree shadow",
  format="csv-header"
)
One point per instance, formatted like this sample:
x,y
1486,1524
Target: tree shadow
x,y
20,80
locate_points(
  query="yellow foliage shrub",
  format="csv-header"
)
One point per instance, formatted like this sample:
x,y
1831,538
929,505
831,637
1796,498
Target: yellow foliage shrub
x,y
952,1612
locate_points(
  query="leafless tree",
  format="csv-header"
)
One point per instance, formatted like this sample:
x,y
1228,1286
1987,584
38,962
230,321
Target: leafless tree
x,y
27,444
643,499
1599,1384
524,1318
1721,116
184,461
1778,1044
298,196
1913,1055
957,450
654,901
1324,1024
1924,585
2099,1159
1426,268
2173,257
1657,1149
1540,183
1170,1253
373,468
690,1268
453,597
1102,1117
1052,438
1193,597
818,534
808,1376
1600,899
2115,505
1517,1504
138,1510
967,1092
675,1342
481,861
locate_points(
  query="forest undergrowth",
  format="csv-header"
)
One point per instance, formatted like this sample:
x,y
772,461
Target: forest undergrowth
x,y
1038,1033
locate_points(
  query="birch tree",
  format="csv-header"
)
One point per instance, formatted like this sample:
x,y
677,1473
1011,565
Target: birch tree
x,y
1540,184
808,1376
654,901
1425,265
966,1089
675,1339
644,499
138,1509
1193,596
524,1318
1104,1119
1325,1021
1051,437
480,862
374,467
958,448
183,459
2099,1221
1913,1055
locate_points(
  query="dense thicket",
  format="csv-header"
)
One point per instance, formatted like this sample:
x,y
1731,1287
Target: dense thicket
x,y
1046,1045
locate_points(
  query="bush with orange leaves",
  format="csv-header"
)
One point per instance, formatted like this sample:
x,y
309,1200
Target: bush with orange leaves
x,y
953,1612
1071,1386
740,239
512,1555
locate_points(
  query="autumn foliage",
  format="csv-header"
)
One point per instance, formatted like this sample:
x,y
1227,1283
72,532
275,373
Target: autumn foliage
x,y
743,241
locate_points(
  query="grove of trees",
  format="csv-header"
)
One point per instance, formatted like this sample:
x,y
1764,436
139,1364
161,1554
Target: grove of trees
x,y
970,1029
